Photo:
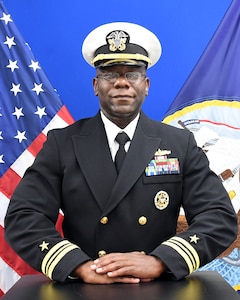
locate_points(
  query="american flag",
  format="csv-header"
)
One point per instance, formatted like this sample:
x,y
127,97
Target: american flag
x,y
29,108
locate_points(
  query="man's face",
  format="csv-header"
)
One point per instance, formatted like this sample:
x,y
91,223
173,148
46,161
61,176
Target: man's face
x,y
122,97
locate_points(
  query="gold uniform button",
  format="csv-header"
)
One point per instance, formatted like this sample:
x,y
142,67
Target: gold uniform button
x,y
101,253
104,220
142,220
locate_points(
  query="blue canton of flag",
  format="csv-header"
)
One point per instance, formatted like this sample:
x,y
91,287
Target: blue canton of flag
x,y
29,108
27,99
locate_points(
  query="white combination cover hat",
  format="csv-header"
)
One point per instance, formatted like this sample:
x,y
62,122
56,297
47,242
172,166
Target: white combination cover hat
x,y
121,43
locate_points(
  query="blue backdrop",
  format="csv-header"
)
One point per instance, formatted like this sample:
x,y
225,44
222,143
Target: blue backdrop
x,y
55,30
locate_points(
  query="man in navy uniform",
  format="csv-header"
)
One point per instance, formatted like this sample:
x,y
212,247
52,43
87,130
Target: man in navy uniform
x,y
120,179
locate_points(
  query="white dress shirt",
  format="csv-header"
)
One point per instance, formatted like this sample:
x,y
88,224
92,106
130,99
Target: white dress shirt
x,y
112,130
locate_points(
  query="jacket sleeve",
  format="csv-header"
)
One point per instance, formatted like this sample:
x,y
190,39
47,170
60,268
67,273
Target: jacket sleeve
x,y
210,215
32,214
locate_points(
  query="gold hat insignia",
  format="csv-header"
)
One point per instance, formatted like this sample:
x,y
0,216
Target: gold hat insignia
x,y
117,40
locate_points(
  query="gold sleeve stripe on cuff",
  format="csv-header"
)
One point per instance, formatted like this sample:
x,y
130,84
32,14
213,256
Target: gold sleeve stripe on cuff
x,y
182,253
188,253
192,252
59,257
51,252
54,256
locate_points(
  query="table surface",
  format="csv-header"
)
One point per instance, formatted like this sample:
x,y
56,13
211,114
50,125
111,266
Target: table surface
x,y
204,285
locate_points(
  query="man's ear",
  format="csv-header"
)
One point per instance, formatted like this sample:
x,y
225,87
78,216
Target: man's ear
x,y
95,86
146,90
147,86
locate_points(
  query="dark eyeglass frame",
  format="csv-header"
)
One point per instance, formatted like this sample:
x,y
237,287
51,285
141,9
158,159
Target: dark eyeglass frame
x,y
112,77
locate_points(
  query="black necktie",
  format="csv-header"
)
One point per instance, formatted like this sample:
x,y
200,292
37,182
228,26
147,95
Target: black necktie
x,y
121,138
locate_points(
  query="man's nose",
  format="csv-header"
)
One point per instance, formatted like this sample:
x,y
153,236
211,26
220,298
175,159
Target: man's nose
x,y
122,81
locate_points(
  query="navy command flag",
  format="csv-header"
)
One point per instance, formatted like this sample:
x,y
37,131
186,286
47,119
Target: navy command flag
x,y
29,108
208,104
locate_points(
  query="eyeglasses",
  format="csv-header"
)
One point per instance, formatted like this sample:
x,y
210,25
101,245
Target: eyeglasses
x,y
132,77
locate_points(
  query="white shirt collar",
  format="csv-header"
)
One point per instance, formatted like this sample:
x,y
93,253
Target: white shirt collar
x,y
112,130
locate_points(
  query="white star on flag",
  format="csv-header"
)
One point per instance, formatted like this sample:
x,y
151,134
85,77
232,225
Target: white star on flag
x,y
1,159
12,65
10,42
6,18
34,65
38,88
15,89
1,138
20,136
40,112
18,112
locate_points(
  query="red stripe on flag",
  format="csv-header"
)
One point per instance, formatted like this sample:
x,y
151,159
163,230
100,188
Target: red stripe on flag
x,y
59,224
12,259
37,144
1,293
65,115
8,182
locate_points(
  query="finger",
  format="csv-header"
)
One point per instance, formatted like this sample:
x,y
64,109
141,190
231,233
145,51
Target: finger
x,y
107,259
126,280
116,266
110,266
122,272
93,267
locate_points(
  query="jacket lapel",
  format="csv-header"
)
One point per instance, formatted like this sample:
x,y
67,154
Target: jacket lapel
x,y
143,146
94,158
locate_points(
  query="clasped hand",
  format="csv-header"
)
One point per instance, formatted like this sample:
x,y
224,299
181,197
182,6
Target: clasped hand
x,y
132,267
